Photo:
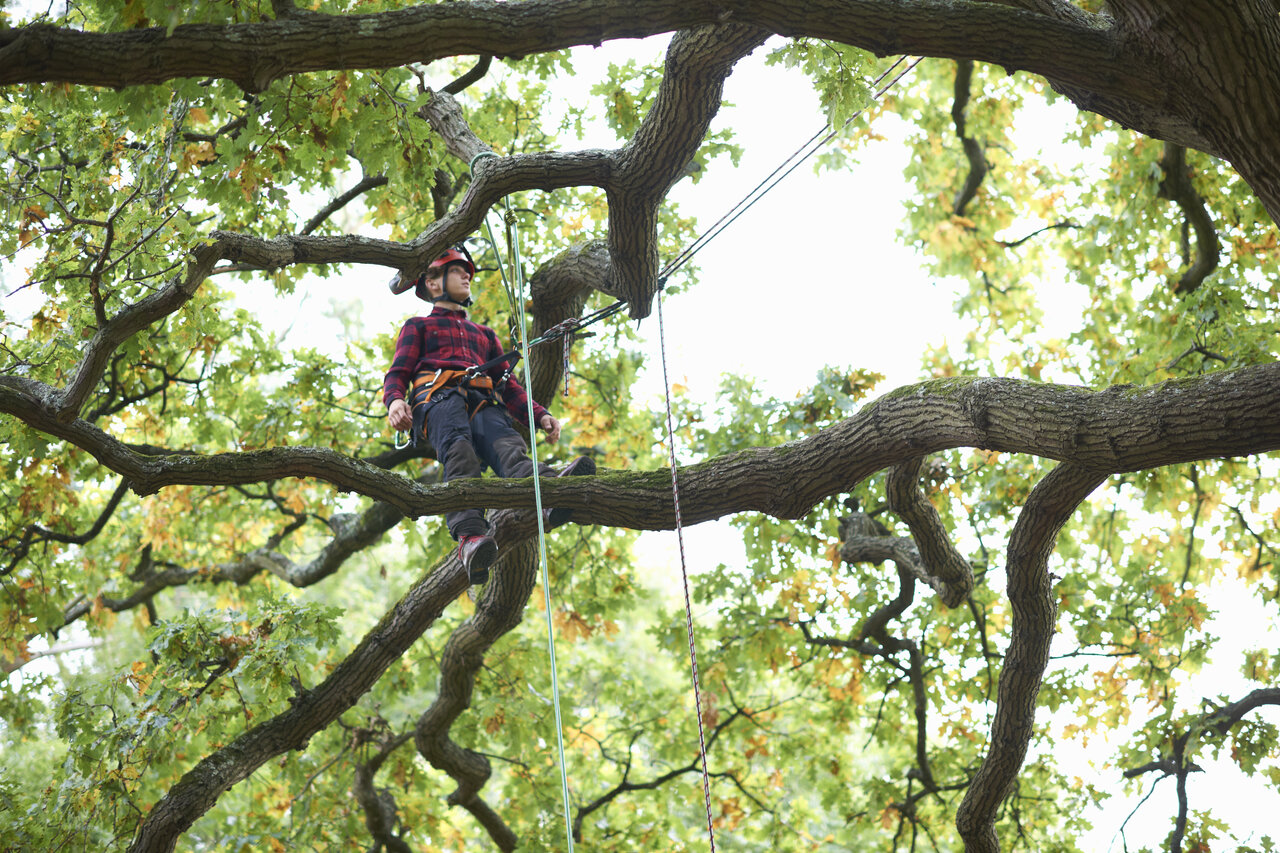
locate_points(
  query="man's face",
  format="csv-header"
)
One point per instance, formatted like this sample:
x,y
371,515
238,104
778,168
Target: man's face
x,y
454,285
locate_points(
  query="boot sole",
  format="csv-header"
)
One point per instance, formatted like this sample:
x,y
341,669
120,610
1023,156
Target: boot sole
x,y
481,559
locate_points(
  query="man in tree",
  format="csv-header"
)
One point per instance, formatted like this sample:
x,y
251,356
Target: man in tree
x,y
431,392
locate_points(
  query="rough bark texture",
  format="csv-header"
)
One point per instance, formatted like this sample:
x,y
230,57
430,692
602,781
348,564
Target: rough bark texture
x,y
1049,506
944,568
1202,74
1120,429
636,177
498,611
314,709
1099,433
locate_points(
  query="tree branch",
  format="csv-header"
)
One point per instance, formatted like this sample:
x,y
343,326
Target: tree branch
x,y
1229,413
500,608
637,177
1049,506
35,533
366,183
254,54
1149,78
473,75
378,804
626,786
1177,187
944,568
125,325
973,150
315,709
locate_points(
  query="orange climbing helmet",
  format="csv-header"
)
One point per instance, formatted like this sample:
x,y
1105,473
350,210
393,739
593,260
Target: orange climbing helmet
x,y
456,253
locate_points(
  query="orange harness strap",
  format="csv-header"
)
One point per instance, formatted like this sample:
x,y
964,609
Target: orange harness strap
x,y
426,384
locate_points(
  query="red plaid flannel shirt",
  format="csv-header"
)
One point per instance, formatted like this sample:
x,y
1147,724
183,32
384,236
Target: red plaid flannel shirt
x,y
447,339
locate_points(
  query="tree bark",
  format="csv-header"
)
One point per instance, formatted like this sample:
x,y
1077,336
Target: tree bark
x,y
1031,599
313,710
1125,428
1202,74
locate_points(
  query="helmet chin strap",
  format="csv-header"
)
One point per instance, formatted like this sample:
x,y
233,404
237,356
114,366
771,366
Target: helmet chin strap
x,y
445,298
444,292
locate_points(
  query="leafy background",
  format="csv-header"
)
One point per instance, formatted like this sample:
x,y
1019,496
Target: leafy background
x,y
807,309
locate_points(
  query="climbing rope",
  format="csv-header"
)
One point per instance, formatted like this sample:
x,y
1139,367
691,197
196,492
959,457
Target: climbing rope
x,y
806,150
684,575
801,154
517,279
785,168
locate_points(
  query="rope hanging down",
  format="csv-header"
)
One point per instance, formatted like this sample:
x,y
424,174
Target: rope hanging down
x,y
741,207
517,279
684,575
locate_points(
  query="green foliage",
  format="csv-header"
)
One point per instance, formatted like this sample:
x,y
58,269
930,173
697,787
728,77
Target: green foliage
x,y
183,631
837,71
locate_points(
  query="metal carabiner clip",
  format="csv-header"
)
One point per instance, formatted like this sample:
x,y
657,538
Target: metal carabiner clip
x,y
408,439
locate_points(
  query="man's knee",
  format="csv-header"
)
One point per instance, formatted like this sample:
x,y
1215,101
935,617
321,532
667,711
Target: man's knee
x,y
513,457
460,460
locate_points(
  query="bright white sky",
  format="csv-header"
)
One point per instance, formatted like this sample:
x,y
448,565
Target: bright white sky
x,y
861,300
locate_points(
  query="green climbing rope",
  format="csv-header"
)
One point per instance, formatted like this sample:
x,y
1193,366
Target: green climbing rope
x,y
516,289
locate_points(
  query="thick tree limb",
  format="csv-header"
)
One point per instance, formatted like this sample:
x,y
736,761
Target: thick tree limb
x,y
500,608
637,177
1031,598
1177,187
697,63
560,289
973,149
1144,67
946,570
255,54
125,325
378,804
1230,413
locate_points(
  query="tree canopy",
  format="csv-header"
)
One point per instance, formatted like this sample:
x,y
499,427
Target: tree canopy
x,y
232,621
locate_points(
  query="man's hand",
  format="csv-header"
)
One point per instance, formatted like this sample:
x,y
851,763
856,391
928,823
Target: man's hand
x,y
552,427
399,416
